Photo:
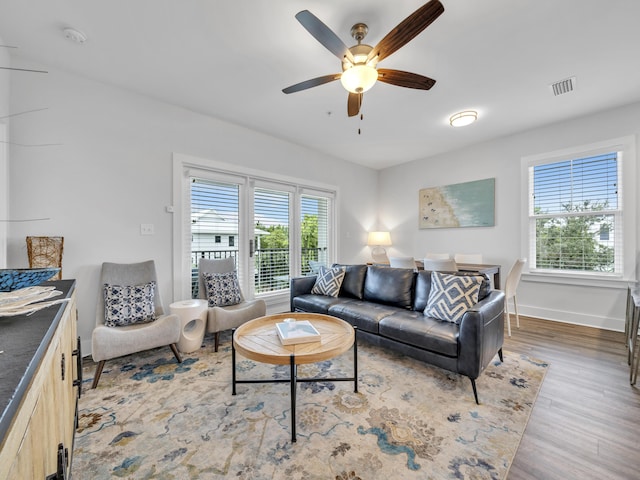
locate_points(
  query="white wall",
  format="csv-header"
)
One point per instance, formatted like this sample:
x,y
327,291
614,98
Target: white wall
x,y
501,158
113,172
4,164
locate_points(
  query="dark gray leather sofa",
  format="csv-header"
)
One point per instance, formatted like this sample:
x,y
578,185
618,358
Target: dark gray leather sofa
x,y
386,305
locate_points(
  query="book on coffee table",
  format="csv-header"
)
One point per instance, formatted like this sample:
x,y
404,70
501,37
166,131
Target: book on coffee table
x,y
297,331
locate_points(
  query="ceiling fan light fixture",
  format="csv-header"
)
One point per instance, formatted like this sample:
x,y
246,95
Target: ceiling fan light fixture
x,y
462,119
359,78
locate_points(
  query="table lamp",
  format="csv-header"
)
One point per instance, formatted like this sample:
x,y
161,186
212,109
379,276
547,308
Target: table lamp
x,y
379,240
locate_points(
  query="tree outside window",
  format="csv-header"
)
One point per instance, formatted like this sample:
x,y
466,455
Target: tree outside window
x,y
575,214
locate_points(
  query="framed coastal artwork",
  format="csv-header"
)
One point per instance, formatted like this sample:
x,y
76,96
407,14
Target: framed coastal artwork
x,y
469,204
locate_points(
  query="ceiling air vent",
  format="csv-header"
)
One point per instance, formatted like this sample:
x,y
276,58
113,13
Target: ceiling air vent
x,y
563,86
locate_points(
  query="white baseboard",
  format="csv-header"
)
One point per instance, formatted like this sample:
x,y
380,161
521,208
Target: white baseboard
x,y
583,319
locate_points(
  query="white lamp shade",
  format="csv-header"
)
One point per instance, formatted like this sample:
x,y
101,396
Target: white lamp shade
x,y
382,239
359,78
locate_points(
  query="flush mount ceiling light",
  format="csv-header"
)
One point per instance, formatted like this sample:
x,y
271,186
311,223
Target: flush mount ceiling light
x,y
74,35
462,119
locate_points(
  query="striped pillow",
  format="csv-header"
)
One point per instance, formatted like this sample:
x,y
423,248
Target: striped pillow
x,y
452,295
329,281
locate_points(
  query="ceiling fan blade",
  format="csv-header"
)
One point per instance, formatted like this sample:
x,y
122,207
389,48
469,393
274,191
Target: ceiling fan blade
x,y
406,30
354,102
405,79
314,82
324,35
23,70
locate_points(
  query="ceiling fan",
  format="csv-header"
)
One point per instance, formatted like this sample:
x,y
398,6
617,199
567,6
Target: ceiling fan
x,y
19,69
359,63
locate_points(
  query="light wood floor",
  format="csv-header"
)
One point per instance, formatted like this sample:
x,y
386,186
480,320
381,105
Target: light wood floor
x,y
586,421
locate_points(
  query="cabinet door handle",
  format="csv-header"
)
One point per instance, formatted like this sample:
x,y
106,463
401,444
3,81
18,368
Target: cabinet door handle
x,y
78,354
62,366
63,461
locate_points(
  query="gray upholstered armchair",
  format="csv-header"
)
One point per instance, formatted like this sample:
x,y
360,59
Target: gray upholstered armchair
x,y
108,342
220,319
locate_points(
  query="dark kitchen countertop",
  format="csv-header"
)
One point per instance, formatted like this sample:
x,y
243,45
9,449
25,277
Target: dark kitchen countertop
x,y
23,340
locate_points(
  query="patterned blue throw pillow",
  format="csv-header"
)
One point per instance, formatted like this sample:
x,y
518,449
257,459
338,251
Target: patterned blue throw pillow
x,y
129,304
223,289
329,281
451,296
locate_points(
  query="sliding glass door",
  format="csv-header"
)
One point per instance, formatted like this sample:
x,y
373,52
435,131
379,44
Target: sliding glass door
x,y
215,225
271,224
274,230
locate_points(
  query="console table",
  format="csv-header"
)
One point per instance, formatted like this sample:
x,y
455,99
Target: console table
x,y
41,363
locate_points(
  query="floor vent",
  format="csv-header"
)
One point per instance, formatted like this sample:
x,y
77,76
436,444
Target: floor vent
x,y
563,86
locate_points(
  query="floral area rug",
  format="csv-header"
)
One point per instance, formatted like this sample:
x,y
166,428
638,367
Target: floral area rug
x,y
152,418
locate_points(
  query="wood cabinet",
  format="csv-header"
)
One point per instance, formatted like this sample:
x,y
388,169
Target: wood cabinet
x,y
38,443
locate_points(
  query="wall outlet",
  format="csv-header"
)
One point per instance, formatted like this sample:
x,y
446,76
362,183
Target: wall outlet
x,y
146,229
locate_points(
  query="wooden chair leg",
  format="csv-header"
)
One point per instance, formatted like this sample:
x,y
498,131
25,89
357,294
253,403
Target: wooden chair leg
x,y
96,377
515,307
216,340
175,351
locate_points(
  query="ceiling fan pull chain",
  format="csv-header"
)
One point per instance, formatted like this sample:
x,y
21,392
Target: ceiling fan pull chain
x,y
361,118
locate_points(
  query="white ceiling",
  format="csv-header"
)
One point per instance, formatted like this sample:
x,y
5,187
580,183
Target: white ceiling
x,y
231,58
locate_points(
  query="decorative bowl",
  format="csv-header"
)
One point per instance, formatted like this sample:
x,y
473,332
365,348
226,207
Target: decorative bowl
x,y
16,278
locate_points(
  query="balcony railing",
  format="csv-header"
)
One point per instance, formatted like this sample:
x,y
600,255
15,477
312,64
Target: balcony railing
x,y
271,266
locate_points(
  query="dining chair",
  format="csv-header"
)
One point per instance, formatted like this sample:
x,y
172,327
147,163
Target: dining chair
x,y
440,265
513,279
468,258
437,256
402,262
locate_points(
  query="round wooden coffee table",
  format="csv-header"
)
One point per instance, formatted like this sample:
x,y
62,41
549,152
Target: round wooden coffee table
x,y
258,340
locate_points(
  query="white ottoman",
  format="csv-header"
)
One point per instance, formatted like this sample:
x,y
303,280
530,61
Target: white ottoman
x,y
193,317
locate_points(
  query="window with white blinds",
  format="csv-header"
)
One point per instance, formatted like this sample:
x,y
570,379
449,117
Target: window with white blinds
x,y
272,260
575,215
314,232
274,228
214,223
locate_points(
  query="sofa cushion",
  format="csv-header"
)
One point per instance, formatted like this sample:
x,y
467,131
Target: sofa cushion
x,y
452,295
315,303
391,286
353,283
364,315
413,328
423,287
328,281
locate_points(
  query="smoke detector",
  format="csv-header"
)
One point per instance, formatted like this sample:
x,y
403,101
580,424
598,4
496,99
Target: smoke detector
x,y
74,35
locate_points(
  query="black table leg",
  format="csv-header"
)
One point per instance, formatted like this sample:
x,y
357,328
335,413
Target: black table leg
x,y
355,359
233,363
293,397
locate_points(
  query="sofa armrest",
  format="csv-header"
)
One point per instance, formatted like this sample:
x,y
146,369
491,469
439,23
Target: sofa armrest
x,y
300,286
481,334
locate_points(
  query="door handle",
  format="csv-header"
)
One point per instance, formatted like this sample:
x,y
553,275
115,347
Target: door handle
x,y
250,248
